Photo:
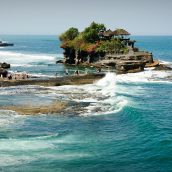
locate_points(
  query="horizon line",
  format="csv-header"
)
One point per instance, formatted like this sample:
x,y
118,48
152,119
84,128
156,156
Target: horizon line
x,y
59,34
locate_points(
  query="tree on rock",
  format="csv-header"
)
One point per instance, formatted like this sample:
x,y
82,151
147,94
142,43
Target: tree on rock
x,y
70,34
91,33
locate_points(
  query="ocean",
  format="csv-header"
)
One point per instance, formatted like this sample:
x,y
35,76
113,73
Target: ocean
x,y
120,123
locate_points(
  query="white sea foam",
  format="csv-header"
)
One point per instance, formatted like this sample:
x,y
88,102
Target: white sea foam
x,y
104,95
101,96
20,89
37,148
107,100
149,75
49,136
10,160
8,118
166,62
15,160
17,59
39,143
40,75
24,145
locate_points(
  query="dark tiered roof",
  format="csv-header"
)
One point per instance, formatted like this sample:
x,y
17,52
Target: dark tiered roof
x,y
118,32
108,33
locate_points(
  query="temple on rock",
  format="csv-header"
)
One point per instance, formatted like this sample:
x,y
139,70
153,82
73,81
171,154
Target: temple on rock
x,y
97,46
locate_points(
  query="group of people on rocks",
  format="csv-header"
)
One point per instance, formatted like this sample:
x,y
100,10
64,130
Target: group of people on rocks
x,y
16,76
78,73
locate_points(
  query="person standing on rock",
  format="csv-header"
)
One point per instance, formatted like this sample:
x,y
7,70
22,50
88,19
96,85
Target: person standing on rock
x,y
77,72
99,70
67,72
9,76
86,71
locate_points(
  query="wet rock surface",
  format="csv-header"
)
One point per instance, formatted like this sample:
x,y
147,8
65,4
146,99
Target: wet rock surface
x,y
67,80
4,65
32,109
3,72
162,67
122,63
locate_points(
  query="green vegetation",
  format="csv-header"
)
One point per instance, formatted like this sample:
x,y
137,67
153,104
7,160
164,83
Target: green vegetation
x,y
70,34
90,41
90,34
114,46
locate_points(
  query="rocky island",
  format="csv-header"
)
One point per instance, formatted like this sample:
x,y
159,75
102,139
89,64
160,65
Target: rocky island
x,y
5,44
96,46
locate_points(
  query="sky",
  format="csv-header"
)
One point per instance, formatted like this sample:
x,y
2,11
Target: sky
x,y
139,17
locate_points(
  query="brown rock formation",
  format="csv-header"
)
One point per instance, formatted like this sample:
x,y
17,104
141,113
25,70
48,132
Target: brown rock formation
x,y
67,80
3,72
33,110
162,67
4,65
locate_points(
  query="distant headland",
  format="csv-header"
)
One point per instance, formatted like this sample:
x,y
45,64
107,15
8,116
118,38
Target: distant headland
x,y
96,46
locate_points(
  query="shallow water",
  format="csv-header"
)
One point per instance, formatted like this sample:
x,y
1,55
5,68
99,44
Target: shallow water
x,y
120,123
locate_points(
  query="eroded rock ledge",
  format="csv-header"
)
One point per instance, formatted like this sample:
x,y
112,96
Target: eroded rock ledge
x,y
67,80
133,62
33,110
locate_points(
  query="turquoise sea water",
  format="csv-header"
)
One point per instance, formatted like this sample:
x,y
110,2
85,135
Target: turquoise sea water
x,y
120,123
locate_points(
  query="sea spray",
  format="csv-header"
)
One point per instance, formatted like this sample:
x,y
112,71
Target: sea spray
x,y
94,99
107,84
9,118
108,101
20,58
149,75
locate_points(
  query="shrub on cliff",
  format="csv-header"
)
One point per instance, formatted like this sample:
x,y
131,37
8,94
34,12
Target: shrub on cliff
x,y
75,39
70,34
90,41
90,34
112,46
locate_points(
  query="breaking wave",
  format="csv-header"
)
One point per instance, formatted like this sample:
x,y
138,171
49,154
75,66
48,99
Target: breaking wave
x,y
20,59
149,75
94,99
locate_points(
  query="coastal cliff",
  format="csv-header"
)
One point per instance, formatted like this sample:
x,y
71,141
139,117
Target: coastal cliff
x,y
102,48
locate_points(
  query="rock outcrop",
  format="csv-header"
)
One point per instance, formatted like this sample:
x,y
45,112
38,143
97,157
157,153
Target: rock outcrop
x,y
129,63
5,65
130,66
122,63
96,46
59,61
3,72
59,81
55,107
162,67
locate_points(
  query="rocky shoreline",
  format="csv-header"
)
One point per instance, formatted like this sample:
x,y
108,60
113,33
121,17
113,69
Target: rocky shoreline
x,y
122,64
55,107
129,63
59,81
